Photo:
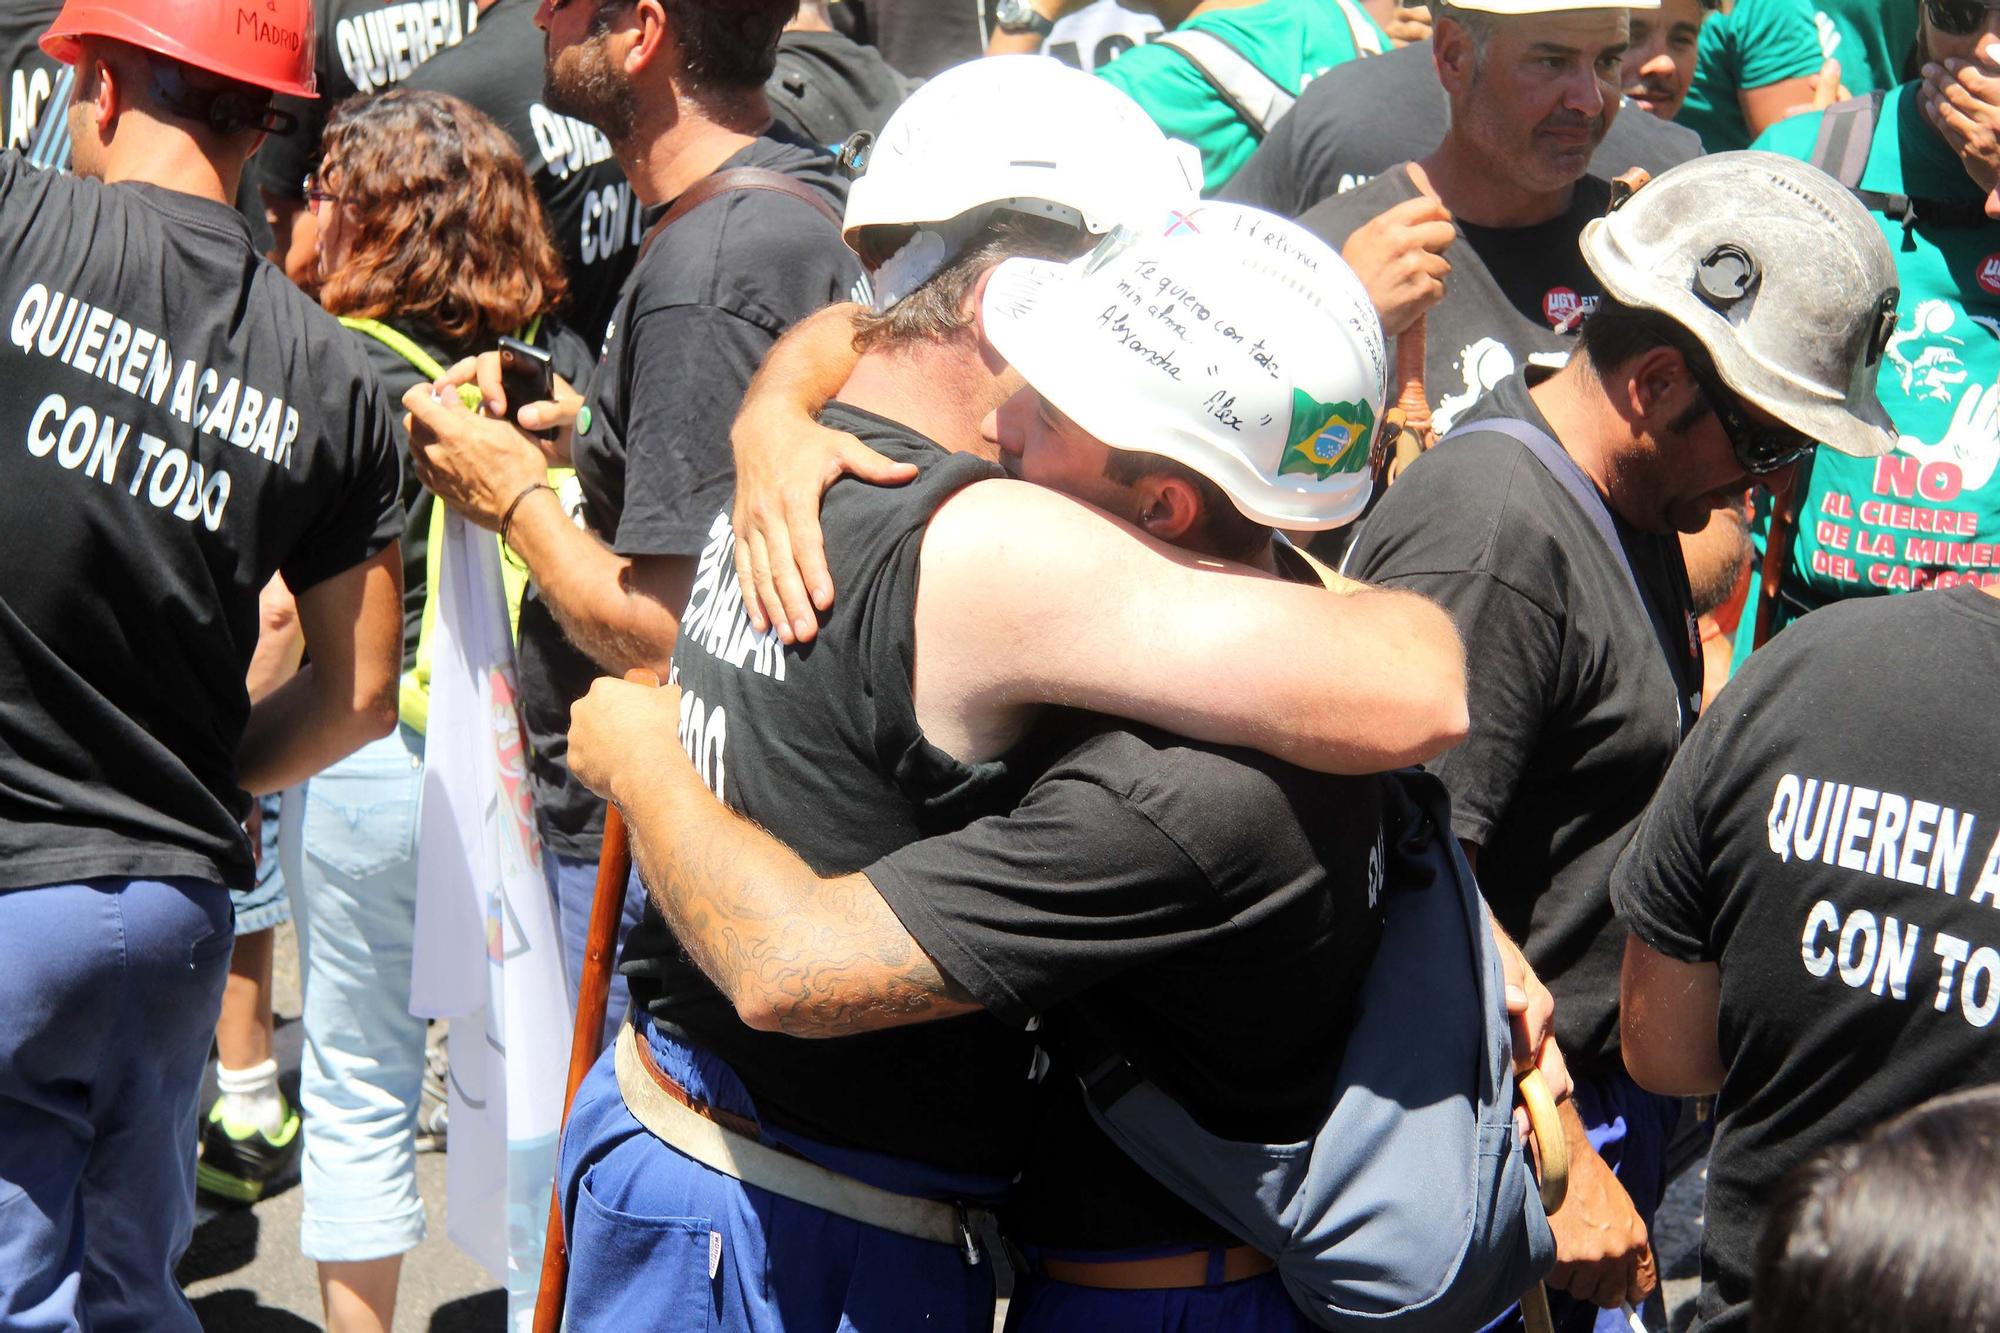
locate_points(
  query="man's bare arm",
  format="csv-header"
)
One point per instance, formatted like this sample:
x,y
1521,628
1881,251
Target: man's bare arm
x,y
343,698
623,612
795,952
1667,1016
1031,598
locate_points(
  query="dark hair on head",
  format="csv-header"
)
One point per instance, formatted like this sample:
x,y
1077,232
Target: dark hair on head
x,y
448,231
1224,529
1898,1231
199,99
936,311
1614,333
728,47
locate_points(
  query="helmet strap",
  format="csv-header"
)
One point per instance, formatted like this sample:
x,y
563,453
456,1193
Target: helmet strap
x,y
226,110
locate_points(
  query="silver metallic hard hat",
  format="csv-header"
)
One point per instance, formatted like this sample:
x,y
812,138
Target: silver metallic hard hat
x,y
1778,271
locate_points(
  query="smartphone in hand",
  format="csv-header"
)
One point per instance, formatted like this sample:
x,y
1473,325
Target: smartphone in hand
x,y
527,375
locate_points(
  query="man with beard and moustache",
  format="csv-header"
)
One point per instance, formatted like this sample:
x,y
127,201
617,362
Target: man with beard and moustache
x,y
1747,301
1499,204
1390,109
597,221
360,46
677,86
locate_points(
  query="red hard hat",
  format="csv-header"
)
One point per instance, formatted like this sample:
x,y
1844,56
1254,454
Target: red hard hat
x,y
264,43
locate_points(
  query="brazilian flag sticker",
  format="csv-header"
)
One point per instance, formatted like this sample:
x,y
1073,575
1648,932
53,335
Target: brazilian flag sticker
x,y
1327,437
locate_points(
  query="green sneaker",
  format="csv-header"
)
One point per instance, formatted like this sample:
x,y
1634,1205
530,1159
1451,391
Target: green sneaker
x,y
239,1162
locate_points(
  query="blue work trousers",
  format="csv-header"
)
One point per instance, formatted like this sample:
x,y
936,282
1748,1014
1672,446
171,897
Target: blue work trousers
x,y
574,883
110,991
658,1241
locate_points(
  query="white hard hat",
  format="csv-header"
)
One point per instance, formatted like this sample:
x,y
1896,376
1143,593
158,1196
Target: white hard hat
x,y
1226,338
1778,272
1024,133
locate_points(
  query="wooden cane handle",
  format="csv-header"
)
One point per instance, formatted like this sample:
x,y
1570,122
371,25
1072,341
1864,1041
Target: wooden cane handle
x,y
1551,1148
1410,395
586,1042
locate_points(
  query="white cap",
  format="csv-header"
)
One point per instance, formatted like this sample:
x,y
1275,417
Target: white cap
x,y
1549,6
1226,338
1023,133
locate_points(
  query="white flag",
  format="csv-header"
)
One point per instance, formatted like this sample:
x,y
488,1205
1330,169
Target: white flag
x,y
487,948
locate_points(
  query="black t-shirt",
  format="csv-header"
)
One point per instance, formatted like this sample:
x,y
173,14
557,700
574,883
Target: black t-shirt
x,y
596,219
364,47
692,325
185,424
1576,712
827,87
1508,290
1207,911
1830,836
821,746
922,37
1390,109
27,77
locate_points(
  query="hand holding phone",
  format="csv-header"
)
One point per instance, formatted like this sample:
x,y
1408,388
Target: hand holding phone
x,y
527,375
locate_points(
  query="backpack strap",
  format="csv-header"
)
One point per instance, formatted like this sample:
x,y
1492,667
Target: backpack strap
x,y
1255,95
1846,134
718,183
1368,38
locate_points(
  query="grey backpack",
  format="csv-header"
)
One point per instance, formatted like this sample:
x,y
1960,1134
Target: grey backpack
x,y
1413,1208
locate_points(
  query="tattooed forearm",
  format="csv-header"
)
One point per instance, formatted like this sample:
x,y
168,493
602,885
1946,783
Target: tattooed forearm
x,y
794,952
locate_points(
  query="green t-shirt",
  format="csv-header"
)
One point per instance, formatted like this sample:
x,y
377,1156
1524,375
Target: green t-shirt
x,y
1928,514
1292,41
1870,38
1756,44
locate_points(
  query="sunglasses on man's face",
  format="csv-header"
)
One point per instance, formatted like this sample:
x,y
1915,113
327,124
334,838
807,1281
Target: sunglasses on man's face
x,y
1959,18
1759,449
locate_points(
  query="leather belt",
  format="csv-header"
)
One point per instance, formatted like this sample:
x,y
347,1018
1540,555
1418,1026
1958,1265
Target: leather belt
x,y
1167,1271
728,1143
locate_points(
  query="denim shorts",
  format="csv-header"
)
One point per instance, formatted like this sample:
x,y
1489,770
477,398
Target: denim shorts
x,y
265,903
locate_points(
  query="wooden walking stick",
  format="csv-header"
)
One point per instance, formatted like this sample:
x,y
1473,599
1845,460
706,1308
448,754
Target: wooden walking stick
x,y
1406,427
1552,1159
586,1043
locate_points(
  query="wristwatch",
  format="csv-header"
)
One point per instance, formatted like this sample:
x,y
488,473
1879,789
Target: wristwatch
x,y
1020,16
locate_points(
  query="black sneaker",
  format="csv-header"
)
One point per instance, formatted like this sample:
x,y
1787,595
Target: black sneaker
x,y
240,1162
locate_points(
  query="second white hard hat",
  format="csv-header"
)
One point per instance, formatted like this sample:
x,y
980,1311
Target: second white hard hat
x,y
1022,132
1225,338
